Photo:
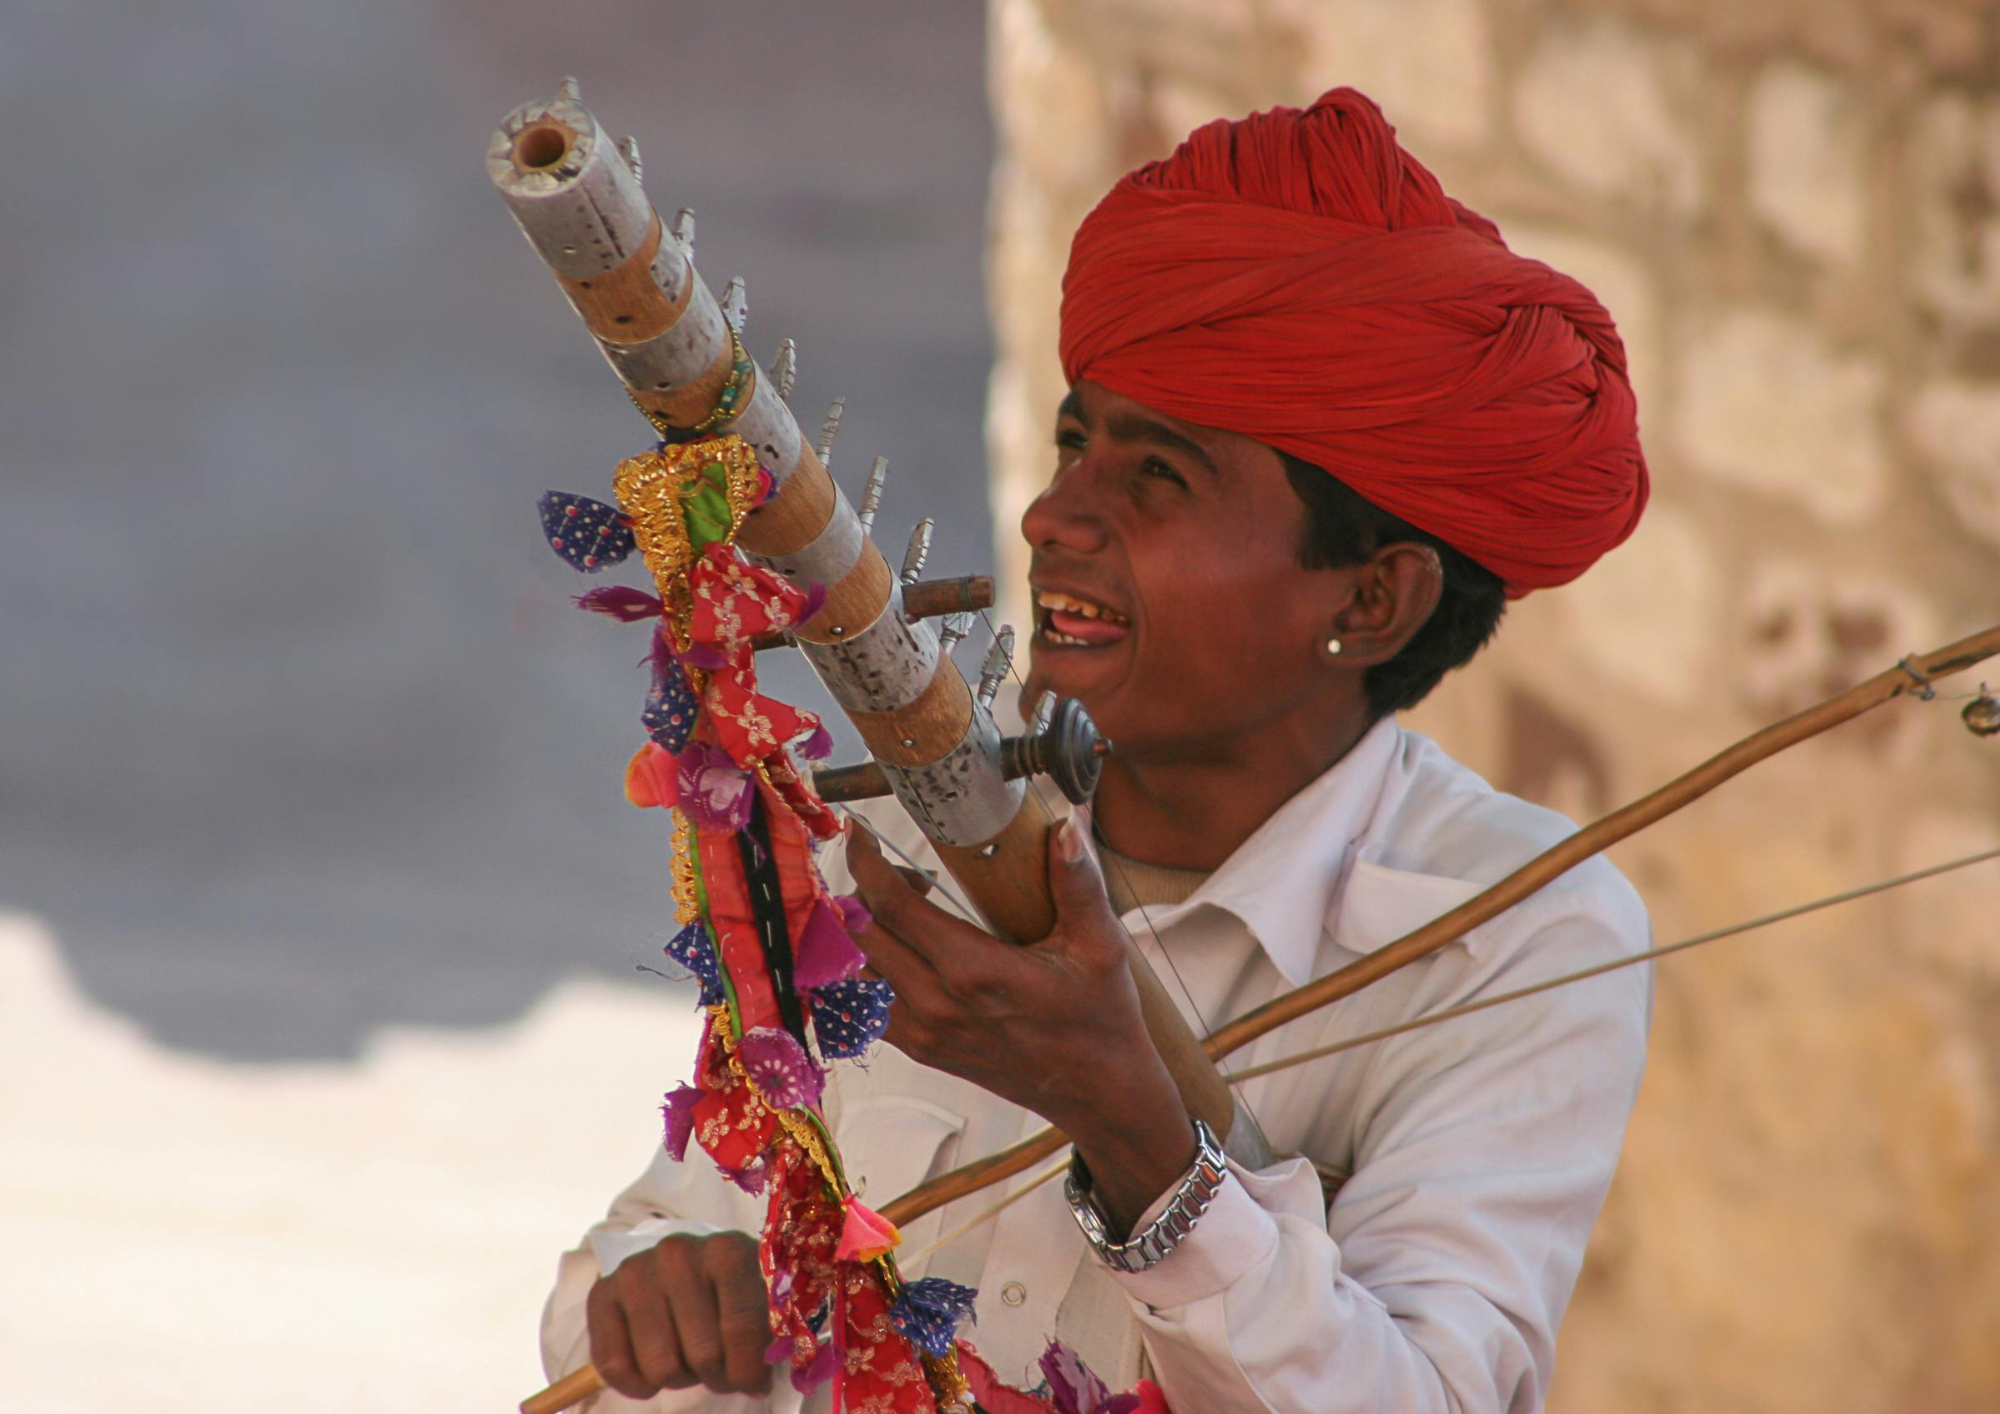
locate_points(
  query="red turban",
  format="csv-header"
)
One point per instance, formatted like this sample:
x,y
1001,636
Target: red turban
x,y
1298,278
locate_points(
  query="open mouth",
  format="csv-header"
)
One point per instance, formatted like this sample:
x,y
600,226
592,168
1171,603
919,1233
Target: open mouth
x,y
1070,622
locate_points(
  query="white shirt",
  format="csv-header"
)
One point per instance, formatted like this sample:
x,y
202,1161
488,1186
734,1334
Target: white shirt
x,y
1476,1152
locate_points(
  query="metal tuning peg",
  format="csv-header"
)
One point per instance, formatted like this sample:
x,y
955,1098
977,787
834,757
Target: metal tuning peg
x,y
735,304
1061,743
1044,713
628,148
684,231
1982,713
785,368
956,627
919,550
999,662
871,494
828,430
1064,745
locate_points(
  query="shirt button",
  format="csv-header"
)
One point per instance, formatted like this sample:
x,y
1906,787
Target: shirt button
x,y
1013,1293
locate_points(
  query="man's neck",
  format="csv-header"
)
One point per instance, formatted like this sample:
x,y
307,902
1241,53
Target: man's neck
x,y
1191,809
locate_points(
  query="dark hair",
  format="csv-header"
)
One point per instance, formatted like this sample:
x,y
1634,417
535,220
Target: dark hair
x,y
1344,528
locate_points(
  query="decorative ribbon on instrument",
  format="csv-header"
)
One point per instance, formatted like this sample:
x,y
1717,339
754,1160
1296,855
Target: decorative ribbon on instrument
x,y
770,946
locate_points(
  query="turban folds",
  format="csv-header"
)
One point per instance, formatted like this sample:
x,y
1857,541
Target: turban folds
x,y
1298,278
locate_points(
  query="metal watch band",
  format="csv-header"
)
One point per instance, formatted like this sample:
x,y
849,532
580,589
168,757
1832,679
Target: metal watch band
x,y
1149,1247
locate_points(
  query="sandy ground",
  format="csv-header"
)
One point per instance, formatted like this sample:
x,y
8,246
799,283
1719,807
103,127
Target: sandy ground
x,y
188,1234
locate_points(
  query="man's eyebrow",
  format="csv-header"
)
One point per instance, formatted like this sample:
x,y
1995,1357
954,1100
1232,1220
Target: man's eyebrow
x,y
1127,428
1071,406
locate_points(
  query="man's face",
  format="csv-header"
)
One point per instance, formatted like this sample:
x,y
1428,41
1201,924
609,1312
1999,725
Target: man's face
x,y
1168,591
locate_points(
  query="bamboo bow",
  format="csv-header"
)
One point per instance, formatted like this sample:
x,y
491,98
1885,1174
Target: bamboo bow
x,y
1913,674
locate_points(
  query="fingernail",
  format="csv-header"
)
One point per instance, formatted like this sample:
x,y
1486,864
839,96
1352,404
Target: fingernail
x,y
1069,840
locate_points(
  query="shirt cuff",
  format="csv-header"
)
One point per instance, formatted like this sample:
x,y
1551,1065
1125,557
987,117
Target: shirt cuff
x,y
612,1248
1237,1234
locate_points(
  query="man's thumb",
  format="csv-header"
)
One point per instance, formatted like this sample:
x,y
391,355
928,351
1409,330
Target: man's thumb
x,y
1075,884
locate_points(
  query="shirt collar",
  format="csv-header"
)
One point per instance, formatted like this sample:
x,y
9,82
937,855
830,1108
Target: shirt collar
x,y
1282,881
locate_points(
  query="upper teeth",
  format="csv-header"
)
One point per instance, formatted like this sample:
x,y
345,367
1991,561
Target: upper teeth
x,y
1068,604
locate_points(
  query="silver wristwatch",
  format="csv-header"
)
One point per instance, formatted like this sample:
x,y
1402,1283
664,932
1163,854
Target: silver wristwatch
x,y
1148,1248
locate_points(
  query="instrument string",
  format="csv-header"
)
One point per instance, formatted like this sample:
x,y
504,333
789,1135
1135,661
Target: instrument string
x,y
935,877
986,1215
1585,974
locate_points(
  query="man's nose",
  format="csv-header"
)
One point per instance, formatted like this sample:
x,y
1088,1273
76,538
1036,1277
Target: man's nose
x,y
1066,515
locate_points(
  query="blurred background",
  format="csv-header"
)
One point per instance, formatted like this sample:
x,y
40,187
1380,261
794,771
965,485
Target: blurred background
x,y
324,918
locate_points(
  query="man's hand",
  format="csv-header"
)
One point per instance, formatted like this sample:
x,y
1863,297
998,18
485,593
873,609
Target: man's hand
x,y
1054,1026
689,1311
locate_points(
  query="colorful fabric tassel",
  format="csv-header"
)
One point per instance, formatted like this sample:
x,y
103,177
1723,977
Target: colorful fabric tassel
x,y
865,1234
652,777
750,1177
850,1016
1068,1388
677,1111
809,1377
992,1394
928,1312
780,1068
801,1229
616,601
693,950
1075,1389
826,952
670,707
588,534
714,791
880,1371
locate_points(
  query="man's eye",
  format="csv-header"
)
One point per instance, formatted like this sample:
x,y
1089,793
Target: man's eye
x,y
1153,466
1069,439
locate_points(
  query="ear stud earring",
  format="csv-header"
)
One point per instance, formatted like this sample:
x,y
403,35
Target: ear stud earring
x,y
1333,647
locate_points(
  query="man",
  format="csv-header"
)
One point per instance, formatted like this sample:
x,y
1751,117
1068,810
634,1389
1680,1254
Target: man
x,y
1321,425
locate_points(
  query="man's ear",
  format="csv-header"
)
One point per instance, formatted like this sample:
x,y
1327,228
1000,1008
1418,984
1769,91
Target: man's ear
x,y
1395,592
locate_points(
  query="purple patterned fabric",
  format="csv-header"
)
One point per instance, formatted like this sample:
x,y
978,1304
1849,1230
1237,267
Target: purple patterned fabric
x,y
693,949
588,534
751,1178
780,1068
670,707
714,791
678,1112
850,1016
826,951
1075,1389
815,1374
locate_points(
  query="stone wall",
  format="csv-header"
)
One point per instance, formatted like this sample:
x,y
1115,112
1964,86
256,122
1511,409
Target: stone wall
x,y
1792,207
